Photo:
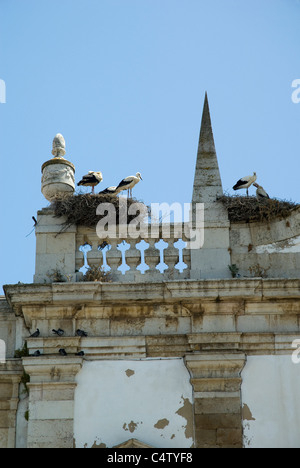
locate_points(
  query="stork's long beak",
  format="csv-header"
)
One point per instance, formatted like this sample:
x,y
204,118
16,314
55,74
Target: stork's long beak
x,y
141,177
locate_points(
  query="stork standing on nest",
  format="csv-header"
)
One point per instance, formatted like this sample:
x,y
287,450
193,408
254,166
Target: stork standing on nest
x,y
109,191
128,183
261,194
91,180
245,182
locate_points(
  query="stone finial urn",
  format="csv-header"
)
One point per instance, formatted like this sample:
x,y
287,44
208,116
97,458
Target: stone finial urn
x,y
58,179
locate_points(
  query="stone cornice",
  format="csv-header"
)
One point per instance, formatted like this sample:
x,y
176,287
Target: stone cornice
x,y
11,369
252,290
52,368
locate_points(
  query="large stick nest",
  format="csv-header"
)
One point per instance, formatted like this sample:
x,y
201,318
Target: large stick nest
x,y
249,209
81,209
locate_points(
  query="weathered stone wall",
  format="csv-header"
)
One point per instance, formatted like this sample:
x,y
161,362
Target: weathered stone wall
x,y
267,249
213,326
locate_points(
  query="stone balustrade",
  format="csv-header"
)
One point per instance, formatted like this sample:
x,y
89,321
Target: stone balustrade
x,y
65,254
144,259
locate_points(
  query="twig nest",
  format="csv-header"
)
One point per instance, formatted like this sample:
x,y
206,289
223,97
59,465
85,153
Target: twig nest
x,y
249,209
81,209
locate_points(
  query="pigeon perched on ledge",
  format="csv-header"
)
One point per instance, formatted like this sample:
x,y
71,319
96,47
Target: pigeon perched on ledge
x,y
81,333
59,332
62,352
36,334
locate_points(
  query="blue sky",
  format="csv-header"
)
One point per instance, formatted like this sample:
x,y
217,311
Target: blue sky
x,y
124,82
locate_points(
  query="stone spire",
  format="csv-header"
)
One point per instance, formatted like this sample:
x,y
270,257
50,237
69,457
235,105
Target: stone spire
x,y
211,260
207,182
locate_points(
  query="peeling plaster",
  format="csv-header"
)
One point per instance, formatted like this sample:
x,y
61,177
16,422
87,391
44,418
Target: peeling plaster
x,y
101,445
186,412
131,427
161,423
158,392
247,415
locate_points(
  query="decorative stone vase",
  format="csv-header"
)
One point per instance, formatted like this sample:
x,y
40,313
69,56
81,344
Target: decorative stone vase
x,y
58,179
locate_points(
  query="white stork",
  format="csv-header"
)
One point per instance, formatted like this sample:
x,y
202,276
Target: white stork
x,y
245,182
261,194
109,191
128,183
91,179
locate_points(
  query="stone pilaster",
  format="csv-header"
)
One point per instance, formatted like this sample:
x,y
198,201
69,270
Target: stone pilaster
x,y
216,383
51,400
10,377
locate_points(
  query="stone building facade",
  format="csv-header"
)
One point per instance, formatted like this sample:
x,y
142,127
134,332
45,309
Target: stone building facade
x,y
184,357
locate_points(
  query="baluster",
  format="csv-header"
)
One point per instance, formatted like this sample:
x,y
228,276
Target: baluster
x,y
152,257
142,246
114,258
123,247
180,245
104,249
133,256
171,258
161,245
85,249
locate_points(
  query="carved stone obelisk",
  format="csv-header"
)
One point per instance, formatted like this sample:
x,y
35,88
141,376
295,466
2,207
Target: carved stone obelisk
x,y
212,259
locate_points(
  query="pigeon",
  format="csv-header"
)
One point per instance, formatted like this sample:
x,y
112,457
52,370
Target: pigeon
x,y
59,332
81,333
36,353
62,352
35,334
81,353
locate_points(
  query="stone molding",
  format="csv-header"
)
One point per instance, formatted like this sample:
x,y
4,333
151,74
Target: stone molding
x,y
254,289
